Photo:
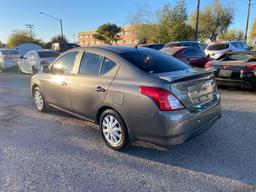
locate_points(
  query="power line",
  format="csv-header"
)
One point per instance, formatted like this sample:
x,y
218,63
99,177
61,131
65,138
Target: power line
x,y
30,27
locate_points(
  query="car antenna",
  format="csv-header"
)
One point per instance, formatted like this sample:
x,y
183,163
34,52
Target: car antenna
x,y
143,41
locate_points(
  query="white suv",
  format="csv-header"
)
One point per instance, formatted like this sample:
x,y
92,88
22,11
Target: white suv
x,y
217,50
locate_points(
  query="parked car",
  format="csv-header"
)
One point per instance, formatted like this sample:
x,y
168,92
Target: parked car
x,y
33,61
62,47
132,93
218,50
156,46
190,55
26,47
194,44
236,69
8,58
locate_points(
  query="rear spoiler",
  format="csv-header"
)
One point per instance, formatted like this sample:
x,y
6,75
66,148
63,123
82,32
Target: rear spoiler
x,y
208,75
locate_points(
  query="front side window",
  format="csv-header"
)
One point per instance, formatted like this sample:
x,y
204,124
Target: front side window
x,y
90,64
66,63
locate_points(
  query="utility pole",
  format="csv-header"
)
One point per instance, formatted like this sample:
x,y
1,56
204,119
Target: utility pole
x,y
30,27
197,19
247,20
57,19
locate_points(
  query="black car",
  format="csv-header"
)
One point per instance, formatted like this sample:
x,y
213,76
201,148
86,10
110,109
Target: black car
x,y
236,69
156,46
186,44
62,47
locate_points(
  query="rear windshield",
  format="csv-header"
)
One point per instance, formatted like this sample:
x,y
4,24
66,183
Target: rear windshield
x,y
169,51
218,46
154,61
9,52
241,57
47,54
172,45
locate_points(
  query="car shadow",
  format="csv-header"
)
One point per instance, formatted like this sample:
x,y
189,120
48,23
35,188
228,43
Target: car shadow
x,y
226,150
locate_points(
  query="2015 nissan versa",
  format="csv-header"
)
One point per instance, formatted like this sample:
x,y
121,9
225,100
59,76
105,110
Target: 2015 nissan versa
x,y
131,92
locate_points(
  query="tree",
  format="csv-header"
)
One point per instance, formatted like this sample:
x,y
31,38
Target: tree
x,y
252,34
173,24
232,34
145,25
59,39
2,45
108,33
19,37
214,20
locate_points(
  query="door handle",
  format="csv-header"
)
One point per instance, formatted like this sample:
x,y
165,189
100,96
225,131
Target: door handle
x,y
100,89
64,83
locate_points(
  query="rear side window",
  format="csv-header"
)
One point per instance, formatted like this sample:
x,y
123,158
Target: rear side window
x,y
107,65
9,52
47,54
218,47
154,61
90,64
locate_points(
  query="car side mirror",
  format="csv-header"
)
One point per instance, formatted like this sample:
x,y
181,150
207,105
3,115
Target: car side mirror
x,y
45,69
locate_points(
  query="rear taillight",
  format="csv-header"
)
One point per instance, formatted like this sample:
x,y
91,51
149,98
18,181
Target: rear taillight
x,y
44,63
251,67
163,98
209,64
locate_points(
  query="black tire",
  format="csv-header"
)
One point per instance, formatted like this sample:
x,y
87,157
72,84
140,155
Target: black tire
x,y
124,139
44,106
19,70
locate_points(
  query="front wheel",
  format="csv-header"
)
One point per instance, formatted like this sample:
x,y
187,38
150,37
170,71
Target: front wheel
x,y
113,130
39,100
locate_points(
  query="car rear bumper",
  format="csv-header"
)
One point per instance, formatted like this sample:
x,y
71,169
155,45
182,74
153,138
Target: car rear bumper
x,y
179,126
244,83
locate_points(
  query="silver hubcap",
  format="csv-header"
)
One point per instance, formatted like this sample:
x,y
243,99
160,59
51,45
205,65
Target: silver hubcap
x,y
111,130
38,100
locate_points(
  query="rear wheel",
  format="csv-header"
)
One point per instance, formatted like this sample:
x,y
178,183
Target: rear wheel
x,y
113,130
39,100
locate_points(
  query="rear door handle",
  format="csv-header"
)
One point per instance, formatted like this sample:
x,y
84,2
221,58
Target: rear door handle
x,y
100,89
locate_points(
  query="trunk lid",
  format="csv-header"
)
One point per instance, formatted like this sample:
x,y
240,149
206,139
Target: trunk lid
x,y
196,89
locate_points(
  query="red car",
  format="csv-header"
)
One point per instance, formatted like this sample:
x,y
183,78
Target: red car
x,y
190,55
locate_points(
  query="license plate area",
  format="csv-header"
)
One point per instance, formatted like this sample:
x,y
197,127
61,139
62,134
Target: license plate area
x,y
202,92
225,73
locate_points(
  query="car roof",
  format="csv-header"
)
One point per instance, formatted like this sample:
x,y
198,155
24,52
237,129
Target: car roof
x,y
45,50
182,42
3,49
114,49
241,52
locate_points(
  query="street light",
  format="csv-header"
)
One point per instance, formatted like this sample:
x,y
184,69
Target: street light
x,y
59,20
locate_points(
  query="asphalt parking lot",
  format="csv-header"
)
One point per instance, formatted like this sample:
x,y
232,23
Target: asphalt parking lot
x,y
57,152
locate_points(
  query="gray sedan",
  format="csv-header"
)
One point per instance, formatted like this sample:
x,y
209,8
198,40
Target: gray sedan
x,y
131,92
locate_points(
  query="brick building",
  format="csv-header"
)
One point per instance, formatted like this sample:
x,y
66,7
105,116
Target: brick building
x,y
128,38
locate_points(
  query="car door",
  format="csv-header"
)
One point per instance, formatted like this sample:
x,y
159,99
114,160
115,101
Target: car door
x,y
57,81
26,62
194,57
89,87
